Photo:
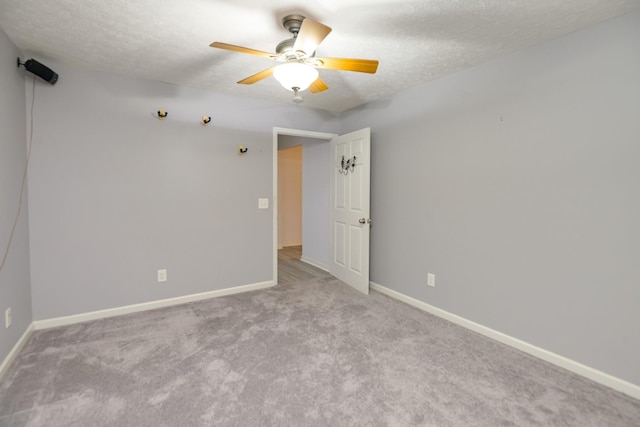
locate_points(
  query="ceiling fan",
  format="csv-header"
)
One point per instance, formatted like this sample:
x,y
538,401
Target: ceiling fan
x,y
299,69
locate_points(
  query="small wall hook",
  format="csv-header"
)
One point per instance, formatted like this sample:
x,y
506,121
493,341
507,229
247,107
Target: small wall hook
x,y
242,150
162,114
205,120
347,165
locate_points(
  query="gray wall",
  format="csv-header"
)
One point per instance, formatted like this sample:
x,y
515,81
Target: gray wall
x,y
116,194
316,201
517,184
15,291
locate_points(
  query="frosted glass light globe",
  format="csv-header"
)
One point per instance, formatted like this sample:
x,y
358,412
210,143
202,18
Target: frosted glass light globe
x,y
295,74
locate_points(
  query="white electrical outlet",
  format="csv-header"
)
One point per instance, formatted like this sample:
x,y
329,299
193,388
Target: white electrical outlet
x,y
431,280
8,317
162,275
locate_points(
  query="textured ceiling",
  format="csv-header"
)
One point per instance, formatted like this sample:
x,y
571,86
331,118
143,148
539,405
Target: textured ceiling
x,y
415,41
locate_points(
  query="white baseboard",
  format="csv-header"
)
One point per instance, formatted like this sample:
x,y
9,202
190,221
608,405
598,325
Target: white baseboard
x,y
615,383
289,244
315,263
15,350
118,311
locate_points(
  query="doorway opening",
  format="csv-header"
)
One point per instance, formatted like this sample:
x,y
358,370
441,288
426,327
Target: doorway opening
x,y
289,194
340,220
307,219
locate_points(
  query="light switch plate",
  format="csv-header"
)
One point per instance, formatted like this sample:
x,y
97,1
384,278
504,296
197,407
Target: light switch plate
x,y
431,280
263,203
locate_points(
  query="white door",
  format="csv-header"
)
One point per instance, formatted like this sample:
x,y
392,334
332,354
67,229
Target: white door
x,y
349,239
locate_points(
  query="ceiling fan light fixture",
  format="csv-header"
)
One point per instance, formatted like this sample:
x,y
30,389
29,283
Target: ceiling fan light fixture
x,y
295,75
297,98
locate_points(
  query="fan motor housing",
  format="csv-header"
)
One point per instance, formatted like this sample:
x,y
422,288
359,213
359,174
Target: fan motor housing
x,y
285,45
292,23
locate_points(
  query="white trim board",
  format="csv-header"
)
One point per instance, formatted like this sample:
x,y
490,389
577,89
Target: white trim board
x,y
15,350
127,309
603,378
316,264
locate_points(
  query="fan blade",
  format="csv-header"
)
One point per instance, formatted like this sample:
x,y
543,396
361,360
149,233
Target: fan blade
x,y
257,77
318,86
349,64
241,49
310,36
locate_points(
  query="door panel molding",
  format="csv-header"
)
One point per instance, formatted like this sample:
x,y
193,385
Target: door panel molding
x,y
350,195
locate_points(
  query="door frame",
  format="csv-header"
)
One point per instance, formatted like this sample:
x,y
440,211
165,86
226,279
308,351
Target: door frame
x,y
277,131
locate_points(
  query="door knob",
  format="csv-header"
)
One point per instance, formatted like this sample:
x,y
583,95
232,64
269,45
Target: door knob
x,y
364,221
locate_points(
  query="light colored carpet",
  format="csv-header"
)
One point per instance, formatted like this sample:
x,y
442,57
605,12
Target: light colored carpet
x,y
308,352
